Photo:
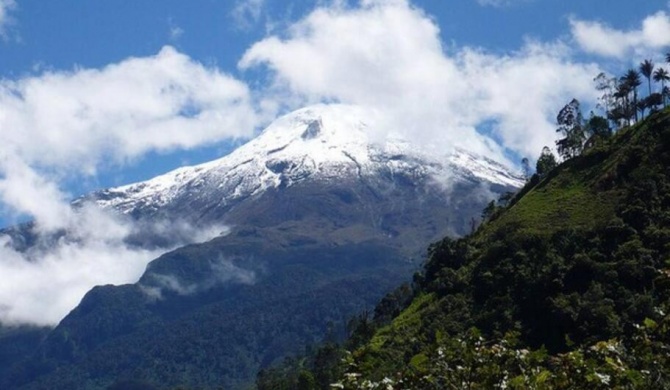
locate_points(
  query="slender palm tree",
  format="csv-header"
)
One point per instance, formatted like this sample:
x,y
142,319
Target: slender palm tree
x,y
642,105
619,113
647,69
632,80
661,76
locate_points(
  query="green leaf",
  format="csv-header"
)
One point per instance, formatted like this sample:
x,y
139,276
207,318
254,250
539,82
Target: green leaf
x,y
650,324
542,377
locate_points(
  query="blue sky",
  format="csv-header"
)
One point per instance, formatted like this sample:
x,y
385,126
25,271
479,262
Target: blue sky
x,y
67,36
66,33
103,93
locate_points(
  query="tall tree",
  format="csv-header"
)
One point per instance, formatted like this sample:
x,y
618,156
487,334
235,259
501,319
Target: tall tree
x,y
571,124
632,80
546,162
606,85
597,126
661,76
647,70
620,112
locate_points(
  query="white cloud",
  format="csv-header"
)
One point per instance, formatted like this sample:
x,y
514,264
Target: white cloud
x,y
84,117
247,13
501,3
221,272
175,31
40,286
6,6
601,39
387,56
69,124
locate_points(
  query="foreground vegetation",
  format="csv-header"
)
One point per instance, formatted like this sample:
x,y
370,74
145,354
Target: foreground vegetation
x,y
566,286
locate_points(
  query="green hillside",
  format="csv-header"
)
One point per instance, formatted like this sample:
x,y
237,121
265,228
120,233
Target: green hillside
x,y
567,286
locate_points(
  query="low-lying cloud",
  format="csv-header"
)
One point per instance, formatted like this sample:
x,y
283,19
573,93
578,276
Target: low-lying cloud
x,y
42,283
220,271
65,124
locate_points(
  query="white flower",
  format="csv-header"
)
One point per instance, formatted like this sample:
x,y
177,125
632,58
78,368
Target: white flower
x,y
604,378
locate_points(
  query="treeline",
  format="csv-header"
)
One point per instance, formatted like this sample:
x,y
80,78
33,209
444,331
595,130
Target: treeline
x,y
623,105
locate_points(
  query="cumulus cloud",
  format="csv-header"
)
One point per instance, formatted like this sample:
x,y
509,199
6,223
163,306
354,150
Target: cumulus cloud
x,y
387,56
122,111
599,38
68,124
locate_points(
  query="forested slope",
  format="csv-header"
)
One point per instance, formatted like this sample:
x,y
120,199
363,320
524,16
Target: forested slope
x,y
566,286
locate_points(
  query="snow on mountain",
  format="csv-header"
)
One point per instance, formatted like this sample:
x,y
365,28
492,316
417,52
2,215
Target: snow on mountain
x,y
322,142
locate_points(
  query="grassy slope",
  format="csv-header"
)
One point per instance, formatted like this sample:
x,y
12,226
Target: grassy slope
x,y
584,195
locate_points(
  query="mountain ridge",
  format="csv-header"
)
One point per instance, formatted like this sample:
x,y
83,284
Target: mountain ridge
x,y
323,142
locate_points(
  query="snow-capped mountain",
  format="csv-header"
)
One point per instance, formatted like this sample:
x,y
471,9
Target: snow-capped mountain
x,y
322,220
323,143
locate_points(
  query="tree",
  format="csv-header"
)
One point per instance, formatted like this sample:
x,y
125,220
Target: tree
x,y
653,101
546,162
571,124
661,76
647,70
606,85
597,126
306,381
620,113
631,80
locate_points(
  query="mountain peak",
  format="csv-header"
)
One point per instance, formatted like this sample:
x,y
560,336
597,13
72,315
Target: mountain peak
x,y
322,143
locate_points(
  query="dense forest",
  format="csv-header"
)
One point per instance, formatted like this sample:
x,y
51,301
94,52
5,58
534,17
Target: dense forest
x,y
565,285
